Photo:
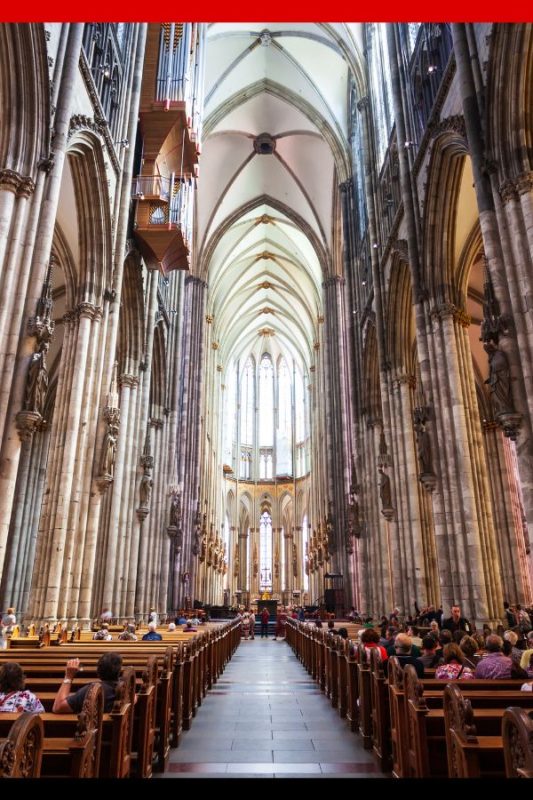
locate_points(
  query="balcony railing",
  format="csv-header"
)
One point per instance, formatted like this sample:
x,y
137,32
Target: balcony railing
x,y
151,187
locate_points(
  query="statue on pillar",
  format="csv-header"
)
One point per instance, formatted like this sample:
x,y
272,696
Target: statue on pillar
x,y
37,381
175,509
499,379
145,489
385,493
294,560
109,451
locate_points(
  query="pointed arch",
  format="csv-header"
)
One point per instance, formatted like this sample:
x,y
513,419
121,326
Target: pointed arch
x,y
509,102
334,138
131,322
94,215
24,98
400,333
158,383
206,253
442,193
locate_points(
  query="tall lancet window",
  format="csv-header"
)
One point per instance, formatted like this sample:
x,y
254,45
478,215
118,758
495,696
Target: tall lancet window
x,y
299,417
284,443
266,417
265,551
305,542
247,419
230,407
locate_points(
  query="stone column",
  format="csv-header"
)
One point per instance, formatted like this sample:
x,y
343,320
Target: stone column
x,y
33,265
127,383
71,401
515,338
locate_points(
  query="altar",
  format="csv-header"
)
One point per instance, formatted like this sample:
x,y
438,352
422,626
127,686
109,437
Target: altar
x,y
270,605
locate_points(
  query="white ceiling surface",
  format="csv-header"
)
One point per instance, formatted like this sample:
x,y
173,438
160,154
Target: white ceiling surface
x,y
254,88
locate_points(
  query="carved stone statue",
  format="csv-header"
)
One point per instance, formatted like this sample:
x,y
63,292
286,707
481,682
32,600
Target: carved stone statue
x,y
424,451
499,379
37,381
109,452
175,510
294,560
145,489
385,491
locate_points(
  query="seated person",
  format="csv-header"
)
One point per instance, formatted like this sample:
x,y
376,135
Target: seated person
x,y
189,627
343,633
370,638
495,664
152,635
454,668
171,627
430,655
331,626
129,634
13,695
103,634
180,620
404,653
469,648
108,671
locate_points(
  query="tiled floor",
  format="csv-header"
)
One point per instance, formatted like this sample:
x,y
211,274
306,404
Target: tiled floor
x,y
266,718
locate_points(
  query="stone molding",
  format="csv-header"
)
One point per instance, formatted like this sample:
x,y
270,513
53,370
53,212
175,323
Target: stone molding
x,y
511,189
20,185
89,310
128,380
444,310
454,123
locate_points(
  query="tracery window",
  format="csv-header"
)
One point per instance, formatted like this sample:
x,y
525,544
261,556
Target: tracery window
x,y
265,551
380,83
305,548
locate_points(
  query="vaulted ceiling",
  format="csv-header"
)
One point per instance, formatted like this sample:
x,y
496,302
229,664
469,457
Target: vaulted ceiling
x,y
275,148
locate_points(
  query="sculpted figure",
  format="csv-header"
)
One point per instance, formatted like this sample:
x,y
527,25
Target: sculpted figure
x,y
37,382
424,451
385,489
108,453
499,379
145,489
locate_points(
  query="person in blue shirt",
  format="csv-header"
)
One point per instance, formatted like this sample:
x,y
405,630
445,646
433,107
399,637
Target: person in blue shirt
x,y
152,635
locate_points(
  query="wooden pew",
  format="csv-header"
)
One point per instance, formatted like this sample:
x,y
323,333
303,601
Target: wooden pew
x,y
425,722
469,754
71,744
398,720
365,697
381,726
517,736
21,750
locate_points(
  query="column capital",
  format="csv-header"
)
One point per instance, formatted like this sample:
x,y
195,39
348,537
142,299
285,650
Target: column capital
x,y
444,310
129,380
20,185
524,183
195,281
405,378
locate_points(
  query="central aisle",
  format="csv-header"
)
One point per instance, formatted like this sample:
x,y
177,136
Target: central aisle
x,y
266,718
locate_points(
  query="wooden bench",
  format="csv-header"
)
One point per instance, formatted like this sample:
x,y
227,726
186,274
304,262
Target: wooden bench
x,y
517,735
425,718
72,742
21,750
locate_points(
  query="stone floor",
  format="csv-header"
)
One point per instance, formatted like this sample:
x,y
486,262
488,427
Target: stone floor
x,y
265,718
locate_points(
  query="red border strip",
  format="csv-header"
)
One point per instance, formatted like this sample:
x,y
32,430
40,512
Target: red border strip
x,y
239,10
